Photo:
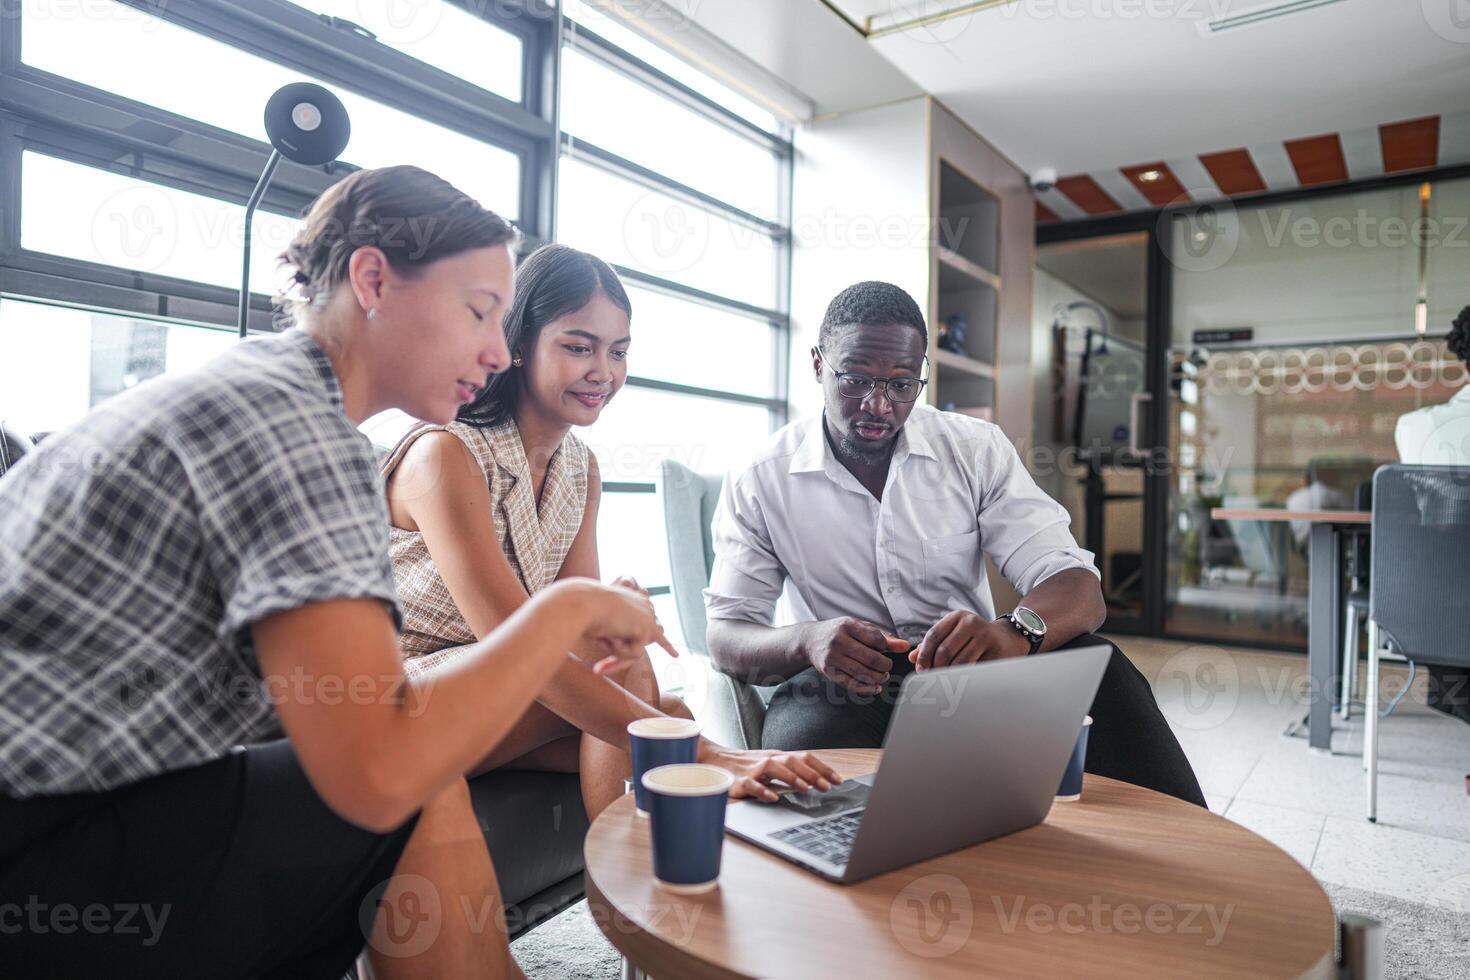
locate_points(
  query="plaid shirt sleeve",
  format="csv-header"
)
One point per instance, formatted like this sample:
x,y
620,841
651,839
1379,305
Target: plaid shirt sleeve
x,y
137,547
291,511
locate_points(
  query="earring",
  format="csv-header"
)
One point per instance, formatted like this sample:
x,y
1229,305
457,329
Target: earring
x,y
515,362
372,314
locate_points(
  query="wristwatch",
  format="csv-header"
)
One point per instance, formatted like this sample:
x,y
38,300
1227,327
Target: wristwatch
x,y
1029,625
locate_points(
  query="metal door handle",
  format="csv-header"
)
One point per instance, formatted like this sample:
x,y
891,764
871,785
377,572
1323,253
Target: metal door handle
x,y
1133,403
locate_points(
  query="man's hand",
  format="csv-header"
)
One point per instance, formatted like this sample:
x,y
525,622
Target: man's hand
x,y
962,637
754,770
852,653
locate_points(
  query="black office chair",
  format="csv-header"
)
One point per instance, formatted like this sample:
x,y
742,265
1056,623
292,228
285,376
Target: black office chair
x,y
1421,535
1359,556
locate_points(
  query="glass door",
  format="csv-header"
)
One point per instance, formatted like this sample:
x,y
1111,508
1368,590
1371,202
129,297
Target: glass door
x,y
1092,452
1295,347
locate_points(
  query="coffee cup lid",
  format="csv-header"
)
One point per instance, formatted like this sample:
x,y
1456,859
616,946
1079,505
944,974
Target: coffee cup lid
x,y
663,727
688,779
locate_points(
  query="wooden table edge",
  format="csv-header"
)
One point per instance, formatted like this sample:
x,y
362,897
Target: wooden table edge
x,y
650,953
1282,514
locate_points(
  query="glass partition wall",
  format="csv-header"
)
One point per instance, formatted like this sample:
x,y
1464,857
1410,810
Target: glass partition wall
x,y
1293,350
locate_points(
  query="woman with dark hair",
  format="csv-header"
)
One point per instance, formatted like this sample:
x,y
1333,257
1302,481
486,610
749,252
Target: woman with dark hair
x,y
496,506
212,762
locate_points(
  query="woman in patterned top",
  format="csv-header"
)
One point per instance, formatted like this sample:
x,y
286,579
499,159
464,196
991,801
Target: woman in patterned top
x,y
501,503
212,762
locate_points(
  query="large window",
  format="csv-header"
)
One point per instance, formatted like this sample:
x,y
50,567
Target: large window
x,y
683,186
56,363
131,135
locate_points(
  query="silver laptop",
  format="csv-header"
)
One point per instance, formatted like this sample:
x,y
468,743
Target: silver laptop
x,y
971,753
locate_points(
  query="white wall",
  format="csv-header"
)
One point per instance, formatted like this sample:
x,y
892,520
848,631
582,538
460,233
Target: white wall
x,y
860,208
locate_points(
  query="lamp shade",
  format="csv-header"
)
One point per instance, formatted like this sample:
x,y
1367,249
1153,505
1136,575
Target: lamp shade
x,y
307,124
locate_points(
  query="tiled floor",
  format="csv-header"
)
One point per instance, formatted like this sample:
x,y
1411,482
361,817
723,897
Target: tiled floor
x,y
1230,708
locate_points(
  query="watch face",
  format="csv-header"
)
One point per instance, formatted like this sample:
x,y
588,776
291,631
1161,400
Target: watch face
x,y
1030,620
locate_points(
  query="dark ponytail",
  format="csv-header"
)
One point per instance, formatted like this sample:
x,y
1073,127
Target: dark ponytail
x,y
553,281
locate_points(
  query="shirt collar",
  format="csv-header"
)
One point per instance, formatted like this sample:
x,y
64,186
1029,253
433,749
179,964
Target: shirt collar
x,y
814,454
319,360
1463,395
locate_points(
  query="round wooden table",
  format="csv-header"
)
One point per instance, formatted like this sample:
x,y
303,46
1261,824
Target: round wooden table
x,y
1124,883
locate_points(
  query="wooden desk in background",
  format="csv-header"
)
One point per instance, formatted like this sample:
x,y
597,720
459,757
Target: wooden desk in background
x,y
1324,602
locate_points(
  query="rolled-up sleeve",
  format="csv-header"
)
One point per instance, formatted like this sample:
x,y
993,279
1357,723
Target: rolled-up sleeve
x,y
1024,532
747,577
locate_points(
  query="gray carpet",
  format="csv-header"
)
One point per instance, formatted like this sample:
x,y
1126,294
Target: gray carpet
x,y
569,947
1424,942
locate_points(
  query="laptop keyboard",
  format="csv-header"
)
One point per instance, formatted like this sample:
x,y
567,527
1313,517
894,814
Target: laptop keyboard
x,y
829,839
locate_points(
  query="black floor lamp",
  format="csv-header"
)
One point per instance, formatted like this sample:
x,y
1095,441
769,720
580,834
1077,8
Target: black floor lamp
x,y
306,124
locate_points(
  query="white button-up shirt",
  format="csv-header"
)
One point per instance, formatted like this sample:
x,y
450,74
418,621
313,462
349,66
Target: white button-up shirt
x,y
796,521
1438,435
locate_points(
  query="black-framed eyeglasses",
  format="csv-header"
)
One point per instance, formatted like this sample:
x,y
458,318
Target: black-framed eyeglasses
x,y
852,385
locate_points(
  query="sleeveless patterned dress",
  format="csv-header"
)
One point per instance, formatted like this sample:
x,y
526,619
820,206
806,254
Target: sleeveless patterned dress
x,y
535,539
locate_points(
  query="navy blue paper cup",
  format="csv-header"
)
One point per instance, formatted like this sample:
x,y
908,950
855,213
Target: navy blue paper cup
x,y
1071,788
687,819
659,741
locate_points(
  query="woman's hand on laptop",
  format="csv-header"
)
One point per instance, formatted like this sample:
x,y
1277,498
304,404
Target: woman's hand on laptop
x,y
851,652
754,770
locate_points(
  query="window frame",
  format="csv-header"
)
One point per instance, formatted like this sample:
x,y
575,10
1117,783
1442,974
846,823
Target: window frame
x,y
778,317
73,121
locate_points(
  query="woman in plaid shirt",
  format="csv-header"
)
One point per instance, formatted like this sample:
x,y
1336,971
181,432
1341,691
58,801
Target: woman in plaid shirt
x,y
211,760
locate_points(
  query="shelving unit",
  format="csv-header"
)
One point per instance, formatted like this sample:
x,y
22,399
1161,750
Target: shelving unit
x,y
917,160
965,254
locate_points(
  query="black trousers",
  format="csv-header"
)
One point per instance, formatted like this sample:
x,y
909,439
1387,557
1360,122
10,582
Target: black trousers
x,y
1130,738
235,868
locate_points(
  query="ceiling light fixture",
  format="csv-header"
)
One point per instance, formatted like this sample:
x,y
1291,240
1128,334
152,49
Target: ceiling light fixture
x,y
1151,176
903,18
1256,15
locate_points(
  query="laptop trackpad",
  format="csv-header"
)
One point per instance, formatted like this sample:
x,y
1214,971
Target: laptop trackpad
x,y
814,803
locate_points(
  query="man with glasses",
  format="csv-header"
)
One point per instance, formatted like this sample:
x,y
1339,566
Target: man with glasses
x,y
873,520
